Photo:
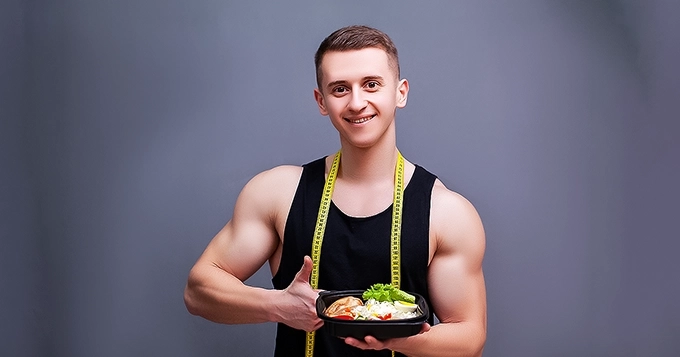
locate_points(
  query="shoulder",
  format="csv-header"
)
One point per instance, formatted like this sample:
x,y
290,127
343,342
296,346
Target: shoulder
x,y
272,189
283,174
274,182
455,222
447,200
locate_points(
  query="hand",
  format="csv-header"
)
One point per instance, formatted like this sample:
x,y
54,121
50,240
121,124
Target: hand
x,y
299,301
372,343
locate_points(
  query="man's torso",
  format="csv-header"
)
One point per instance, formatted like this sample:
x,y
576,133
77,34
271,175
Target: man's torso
x,y
356,250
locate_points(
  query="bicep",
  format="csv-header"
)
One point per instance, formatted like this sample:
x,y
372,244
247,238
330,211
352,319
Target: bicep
x,y
250,238
455,276
457,290
240,248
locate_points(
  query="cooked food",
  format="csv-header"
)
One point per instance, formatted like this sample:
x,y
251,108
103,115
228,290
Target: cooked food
x,y
381,310
405,306
343,307
380,302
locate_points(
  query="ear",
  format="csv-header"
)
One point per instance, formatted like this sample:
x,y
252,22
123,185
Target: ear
x,y
318,97
402,93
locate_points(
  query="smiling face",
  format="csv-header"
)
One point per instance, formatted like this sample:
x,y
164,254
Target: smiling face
x,y
360,93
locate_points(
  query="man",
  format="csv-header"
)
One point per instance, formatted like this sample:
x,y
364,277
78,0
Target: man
x,y
442,238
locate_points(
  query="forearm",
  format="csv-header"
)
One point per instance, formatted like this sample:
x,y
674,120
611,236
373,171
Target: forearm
x,y
216,295
445,339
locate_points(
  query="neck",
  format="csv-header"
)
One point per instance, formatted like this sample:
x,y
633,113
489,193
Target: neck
x,y
370,165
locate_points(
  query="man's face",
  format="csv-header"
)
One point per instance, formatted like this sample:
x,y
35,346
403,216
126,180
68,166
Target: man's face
x,y
360,93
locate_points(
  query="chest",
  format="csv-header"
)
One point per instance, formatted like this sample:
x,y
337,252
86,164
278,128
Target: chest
x,y
356,250
363,200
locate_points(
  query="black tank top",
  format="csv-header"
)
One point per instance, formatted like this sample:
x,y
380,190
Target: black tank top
x,y
355,252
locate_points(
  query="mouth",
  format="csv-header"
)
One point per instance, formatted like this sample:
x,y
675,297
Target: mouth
x,y
359,120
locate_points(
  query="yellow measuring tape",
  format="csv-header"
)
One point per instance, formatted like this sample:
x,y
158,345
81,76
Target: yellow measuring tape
x,y
320,228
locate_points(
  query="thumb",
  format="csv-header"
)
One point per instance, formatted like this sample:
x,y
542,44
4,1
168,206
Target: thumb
x,y
305,271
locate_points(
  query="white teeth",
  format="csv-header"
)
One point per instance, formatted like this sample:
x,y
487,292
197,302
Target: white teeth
x,y
361,120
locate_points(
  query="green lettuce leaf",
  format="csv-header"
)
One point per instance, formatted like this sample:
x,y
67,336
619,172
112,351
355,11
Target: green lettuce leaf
x,y
387,292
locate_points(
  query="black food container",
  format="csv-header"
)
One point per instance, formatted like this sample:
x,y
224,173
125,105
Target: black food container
x,y
359,329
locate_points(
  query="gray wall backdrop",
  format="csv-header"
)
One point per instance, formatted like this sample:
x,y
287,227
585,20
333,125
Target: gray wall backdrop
x,y
129,127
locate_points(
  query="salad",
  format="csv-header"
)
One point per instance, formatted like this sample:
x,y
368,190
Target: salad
x,y
379,302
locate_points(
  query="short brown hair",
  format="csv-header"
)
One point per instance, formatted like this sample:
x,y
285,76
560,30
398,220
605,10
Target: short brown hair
x,y
356,37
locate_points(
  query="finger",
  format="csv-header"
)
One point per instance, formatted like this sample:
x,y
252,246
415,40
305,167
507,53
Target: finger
x,y
370,340
305,271
426,327
316,326
374,344
352,341
364,345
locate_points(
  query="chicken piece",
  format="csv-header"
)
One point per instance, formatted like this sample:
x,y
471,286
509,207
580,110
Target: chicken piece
x,y
343,306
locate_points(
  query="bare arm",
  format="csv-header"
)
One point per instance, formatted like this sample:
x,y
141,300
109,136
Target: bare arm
x,y
456,284
215,289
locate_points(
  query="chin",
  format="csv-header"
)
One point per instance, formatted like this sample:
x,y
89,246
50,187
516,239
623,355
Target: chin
x,y
362,144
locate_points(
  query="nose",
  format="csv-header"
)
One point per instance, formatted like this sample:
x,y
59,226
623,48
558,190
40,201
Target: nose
x,y
357,102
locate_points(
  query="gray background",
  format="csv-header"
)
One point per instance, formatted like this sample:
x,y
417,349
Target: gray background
x,y
129,127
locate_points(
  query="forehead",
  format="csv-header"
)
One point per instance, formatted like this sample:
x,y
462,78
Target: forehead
x,y
355,64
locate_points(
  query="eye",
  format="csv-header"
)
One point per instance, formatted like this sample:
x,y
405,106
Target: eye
x,y
340,90
372,85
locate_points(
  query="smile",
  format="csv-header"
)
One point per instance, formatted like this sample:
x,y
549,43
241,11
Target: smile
x,y
360,120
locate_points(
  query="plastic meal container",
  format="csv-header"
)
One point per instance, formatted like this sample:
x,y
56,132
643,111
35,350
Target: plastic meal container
x,y
379,329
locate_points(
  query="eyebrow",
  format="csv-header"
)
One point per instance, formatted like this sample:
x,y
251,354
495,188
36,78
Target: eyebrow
x,y
367,78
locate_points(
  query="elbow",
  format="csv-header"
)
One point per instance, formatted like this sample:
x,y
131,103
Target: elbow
x,y
477,348
478,351
190,301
